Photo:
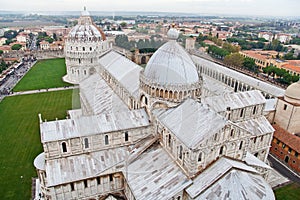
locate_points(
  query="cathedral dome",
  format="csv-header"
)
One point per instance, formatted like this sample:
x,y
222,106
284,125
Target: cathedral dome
x,y
292,93
171,64
86,29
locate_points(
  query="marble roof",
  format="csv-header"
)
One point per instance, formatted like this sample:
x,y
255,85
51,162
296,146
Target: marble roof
x,y
192,122
230,179
123,70
154,175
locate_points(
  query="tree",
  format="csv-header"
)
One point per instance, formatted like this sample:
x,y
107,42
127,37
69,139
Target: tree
x,y
8,41
295,78
16,47
287,78
1,52
3,66
49,39
10,34
230,48
270,70
234,59
274,45
250,64
54,36
280,72
122,41
123,24
217,52
289,56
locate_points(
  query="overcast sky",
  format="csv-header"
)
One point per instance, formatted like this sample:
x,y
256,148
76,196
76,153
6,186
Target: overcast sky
x,y
235,7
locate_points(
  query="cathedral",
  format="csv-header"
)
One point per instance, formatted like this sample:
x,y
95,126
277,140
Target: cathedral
x,y
183,128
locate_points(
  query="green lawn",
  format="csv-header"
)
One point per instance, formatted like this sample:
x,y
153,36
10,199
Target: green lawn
x,y
44,74
20,139
289,192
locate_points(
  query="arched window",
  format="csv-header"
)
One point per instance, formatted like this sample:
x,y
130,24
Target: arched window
x,y
106,140
86,143
242,112
64,147
169,140
200,157
180,152
232,133
221,150
254,110
71,48
83,48
91,48
215,137
72,186
126,136
241,145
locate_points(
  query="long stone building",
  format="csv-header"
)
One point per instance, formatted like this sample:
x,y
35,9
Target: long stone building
x,y
182,128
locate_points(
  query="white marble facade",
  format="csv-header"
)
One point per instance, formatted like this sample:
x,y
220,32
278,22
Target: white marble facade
x,y
152,134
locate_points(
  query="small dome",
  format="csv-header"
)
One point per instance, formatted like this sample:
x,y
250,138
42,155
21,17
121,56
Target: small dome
x,y
86,29
39,161
171,65
173,34
292,93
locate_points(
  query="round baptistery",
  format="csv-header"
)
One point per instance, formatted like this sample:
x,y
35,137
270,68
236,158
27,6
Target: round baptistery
x,y
84,44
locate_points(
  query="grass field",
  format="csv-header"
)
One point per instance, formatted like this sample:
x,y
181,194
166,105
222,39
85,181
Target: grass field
x,y
44,74
20,139
289,192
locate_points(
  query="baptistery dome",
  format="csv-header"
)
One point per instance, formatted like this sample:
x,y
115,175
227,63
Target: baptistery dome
x,y
292,93
86,29
171,64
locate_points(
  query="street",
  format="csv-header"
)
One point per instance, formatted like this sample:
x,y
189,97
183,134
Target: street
x,y
13,79
283,169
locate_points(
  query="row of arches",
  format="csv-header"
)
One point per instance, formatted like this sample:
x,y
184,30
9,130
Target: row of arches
x,y
121,91
81,48
80,61
86,143
237,85
170,94
84,39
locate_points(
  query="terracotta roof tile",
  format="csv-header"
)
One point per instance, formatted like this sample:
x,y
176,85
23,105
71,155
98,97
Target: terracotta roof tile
x,y
291,67
289,139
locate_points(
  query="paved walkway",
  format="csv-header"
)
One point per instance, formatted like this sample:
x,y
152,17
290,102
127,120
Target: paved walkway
x,y
44,90
283,169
